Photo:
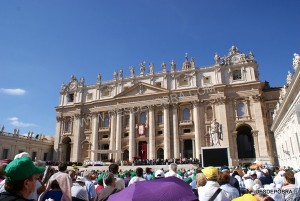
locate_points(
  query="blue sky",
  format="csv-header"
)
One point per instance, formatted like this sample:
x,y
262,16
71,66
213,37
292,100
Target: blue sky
x,y
42,43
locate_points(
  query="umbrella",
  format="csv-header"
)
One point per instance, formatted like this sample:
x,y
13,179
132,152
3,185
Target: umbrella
x,y
165,189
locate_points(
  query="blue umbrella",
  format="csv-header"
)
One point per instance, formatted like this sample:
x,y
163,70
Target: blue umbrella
x,y
166,189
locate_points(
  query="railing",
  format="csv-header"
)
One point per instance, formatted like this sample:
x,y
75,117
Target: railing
x,y
185,123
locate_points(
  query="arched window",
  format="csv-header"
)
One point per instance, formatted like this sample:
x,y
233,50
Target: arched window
x,y
143,118
241,110
237,75
209,113
186,114
106,121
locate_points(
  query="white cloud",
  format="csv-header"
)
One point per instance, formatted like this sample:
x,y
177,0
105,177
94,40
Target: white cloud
x,y
14,92
15,121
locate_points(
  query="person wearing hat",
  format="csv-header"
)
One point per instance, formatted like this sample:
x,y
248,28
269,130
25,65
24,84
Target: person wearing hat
x,y
21,176
159,174
78,190
99,186
212,190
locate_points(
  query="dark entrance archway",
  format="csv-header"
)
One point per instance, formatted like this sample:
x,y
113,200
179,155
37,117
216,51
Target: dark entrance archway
x,y
66,149
142,149
188,149
160,153
245,142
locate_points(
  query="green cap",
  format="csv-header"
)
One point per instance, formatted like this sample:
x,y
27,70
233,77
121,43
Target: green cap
x,y
100,177
21,168
188,180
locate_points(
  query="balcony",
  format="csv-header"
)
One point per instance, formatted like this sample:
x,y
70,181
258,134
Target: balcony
x,y
186,123
103,129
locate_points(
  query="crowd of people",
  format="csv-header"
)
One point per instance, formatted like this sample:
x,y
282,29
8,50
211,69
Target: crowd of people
x,y
22,180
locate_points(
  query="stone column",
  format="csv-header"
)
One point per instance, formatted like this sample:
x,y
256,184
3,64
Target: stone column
x,y
118,136
56,153
166,132
151,134
197,129
131,135
76,145
95,128
256,144
234,151
112,144
194,151
175,131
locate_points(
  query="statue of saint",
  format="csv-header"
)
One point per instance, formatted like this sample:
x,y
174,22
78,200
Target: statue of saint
x,y
99,77
131,71
296,61
115,75
217,58
151,68
81,81
215,132
121,73
164,67
142,68
289,78
173,66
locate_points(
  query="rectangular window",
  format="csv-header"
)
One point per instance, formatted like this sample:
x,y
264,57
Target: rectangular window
x,y
5,154
127,121
90,96
159,132
126,134
237,75
186,130
70,98
45,156
105,136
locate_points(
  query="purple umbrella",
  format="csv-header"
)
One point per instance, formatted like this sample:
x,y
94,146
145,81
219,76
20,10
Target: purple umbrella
x,y
166,189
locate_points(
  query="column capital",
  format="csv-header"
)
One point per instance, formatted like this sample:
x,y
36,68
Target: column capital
x,y
234,134
175,105
78,116
166,106
256,98
151,107
196,103
59,119
94,114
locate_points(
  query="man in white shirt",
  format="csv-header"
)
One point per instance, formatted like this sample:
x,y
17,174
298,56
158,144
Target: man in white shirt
x,y
212,186
173,171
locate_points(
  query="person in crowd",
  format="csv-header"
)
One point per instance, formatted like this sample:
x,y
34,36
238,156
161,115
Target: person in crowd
x,y
212,190
109,189
2,175
289,185
263,197
114,168
62,167
58,188
255,179
248,183
297,179
233,181
200,182
245,197
278,179
148,174
126,178
138,177
21,176
90,187
78,190
266,178
224,181
39,185
173,171
159,174
238,177
193,183
72,174
99,186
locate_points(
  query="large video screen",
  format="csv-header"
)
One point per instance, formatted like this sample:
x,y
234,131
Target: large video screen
x,y
215,157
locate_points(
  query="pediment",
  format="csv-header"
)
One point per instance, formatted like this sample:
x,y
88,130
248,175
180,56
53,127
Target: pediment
x,y
141,89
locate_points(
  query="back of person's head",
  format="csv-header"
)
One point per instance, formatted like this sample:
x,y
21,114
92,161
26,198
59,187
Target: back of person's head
x,y
198,170
200,179
113,168
62,167
289,177
148,170
223,178
211,173
173,166
87,175
139,172
108,178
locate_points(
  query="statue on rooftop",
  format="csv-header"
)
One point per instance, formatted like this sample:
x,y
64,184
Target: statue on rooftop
x,y
115,75
173,66
121,73
99,77
131,71
142,68
164,67
296,61
217,58
289,78
151,68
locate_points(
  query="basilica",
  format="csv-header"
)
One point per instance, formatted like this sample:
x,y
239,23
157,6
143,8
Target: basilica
x,y
171,114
